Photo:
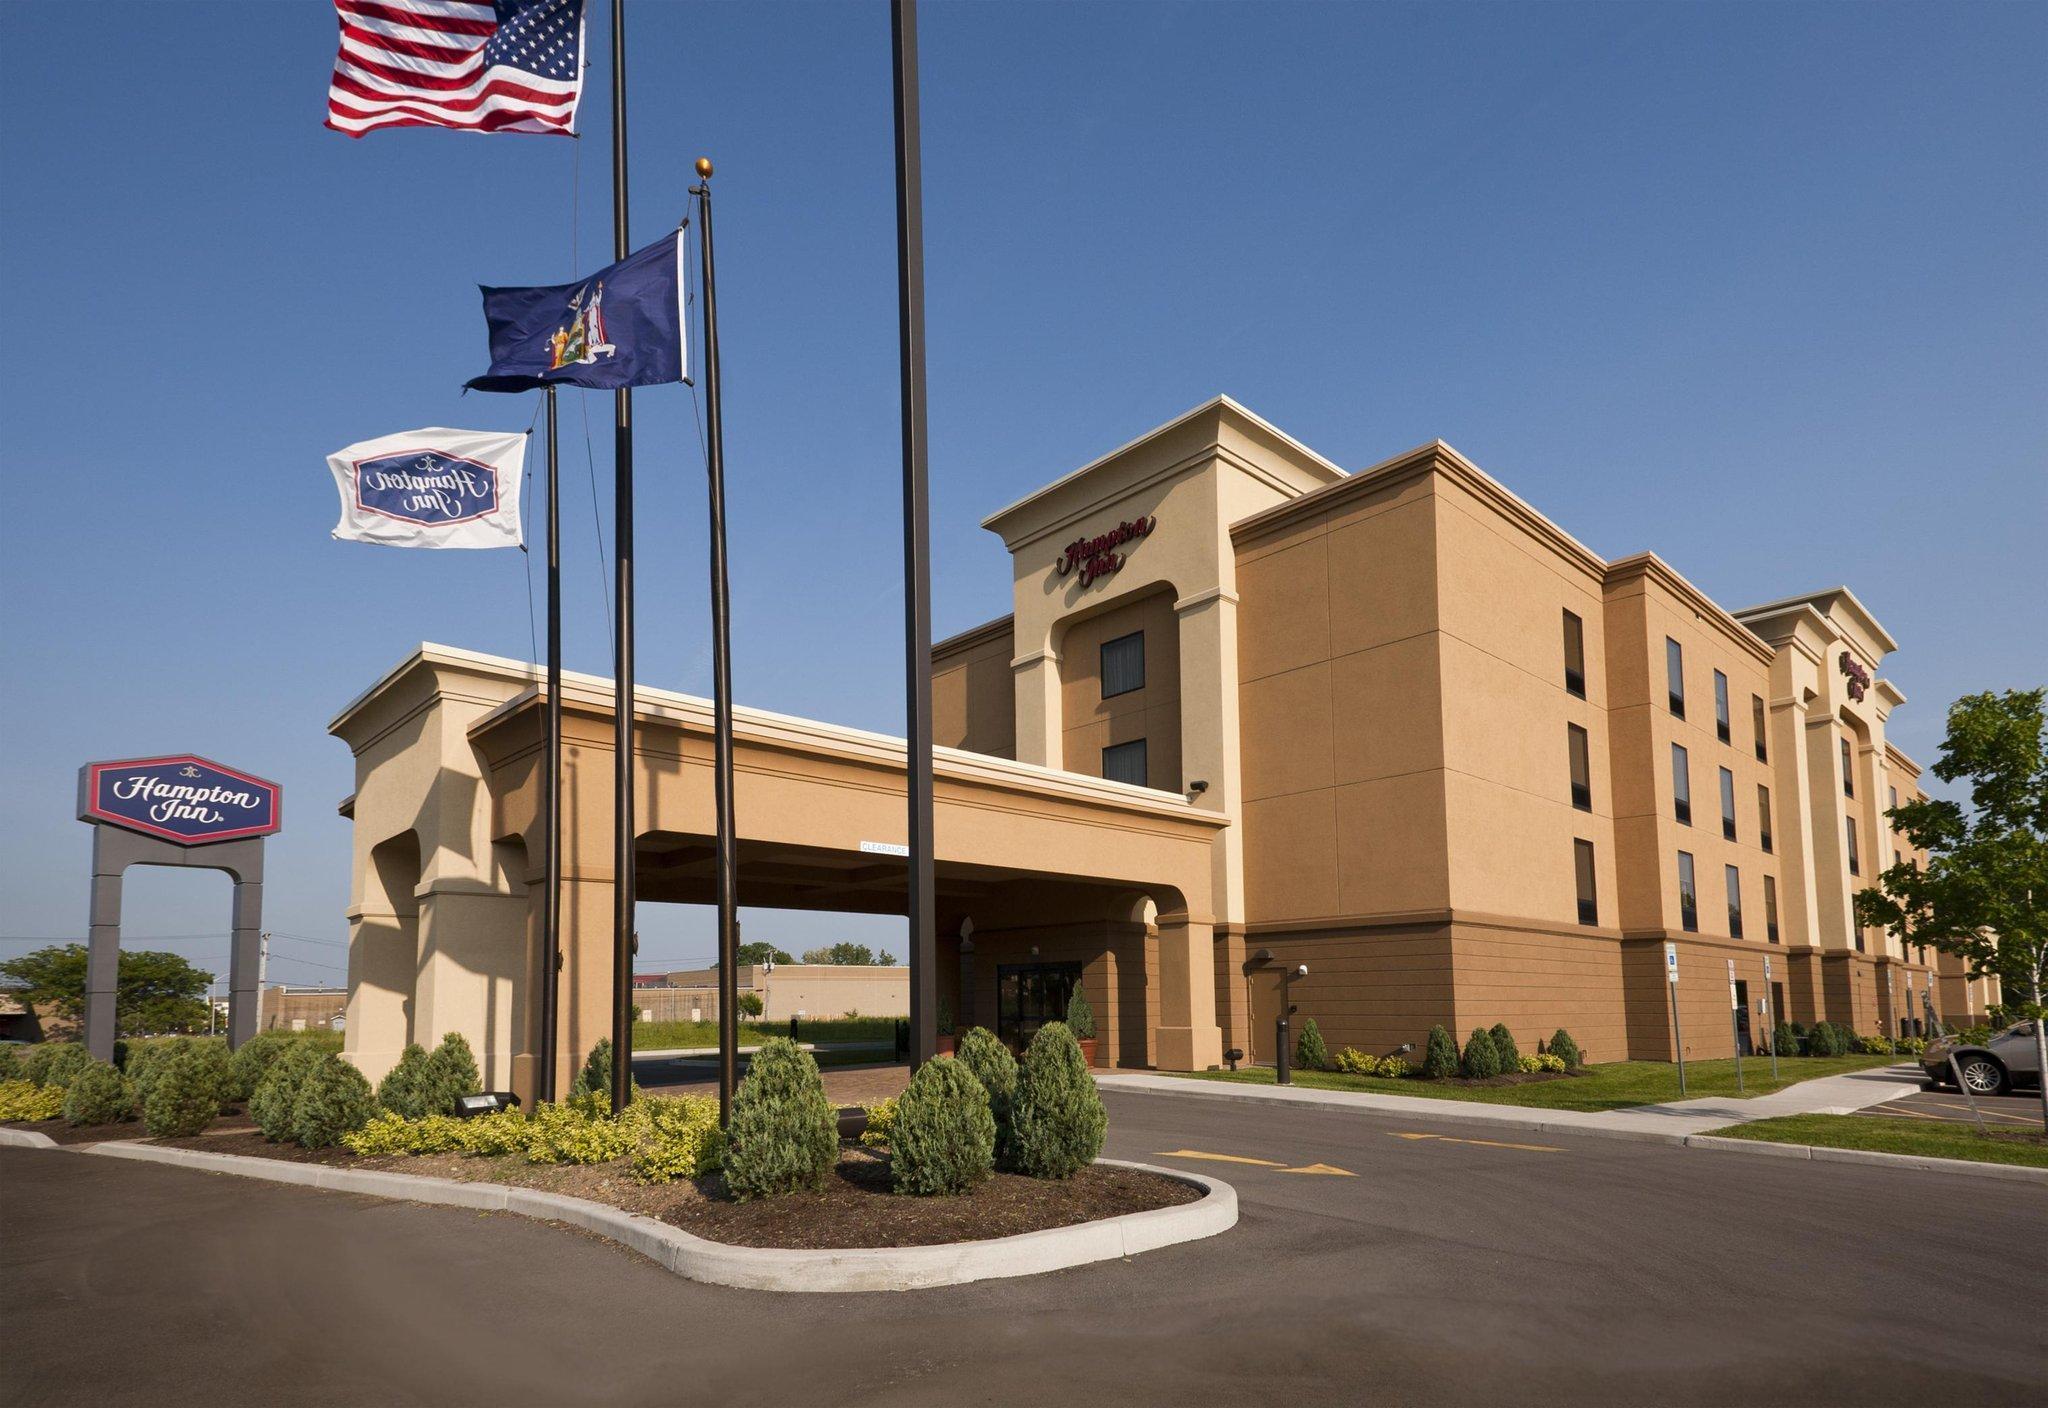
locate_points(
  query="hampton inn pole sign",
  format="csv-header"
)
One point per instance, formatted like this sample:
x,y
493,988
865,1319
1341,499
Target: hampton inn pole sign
x,y
1093,558
180,810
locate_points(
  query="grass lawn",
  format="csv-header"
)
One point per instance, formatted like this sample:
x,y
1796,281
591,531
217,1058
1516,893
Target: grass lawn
x,y
1938,1139
1614,1085
669,1036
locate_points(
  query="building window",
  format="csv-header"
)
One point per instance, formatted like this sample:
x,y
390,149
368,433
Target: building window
x,y
1574,655
1674,675
1123,664
1848,774
1895,798
1582,768
1688,897
1763,816
1734,901
1756,721
1721,730
1582,867
1855,863
1771,908
1727,805
1028,995
1125,762
1681,785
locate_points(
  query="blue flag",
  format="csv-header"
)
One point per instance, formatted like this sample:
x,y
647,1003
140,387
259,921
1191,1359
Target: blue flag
x,y
622,326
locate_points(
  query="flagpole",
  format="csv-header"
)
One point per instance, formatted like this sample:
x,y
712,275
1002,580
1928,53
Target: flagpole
x,y
551,903
917,582
721,669
622,568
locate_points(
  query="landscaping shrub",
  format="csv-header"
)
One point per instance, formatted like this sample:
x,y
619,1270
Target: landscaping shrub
x,y
1784,1042
944,1139
750,1004
251,1059
1827,1039
187,1091
1910,1045
1060,1120
452,1074
1353,1062
25,1100
275,1101
1481,1061
65,1060
1505,1048
99,1094
405,1090
334,1099
597,1069
1541,1061
146,1061
784,1133
581,1131
1080,1016
1310,1052
34,1061
983,1053
881,1123
1874,1045
10,1063
679,1138
1565,1049
1440,1055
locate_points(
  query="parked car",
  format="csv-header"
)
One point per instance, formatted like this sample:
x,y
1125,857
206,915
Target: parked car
x,y
1989,1068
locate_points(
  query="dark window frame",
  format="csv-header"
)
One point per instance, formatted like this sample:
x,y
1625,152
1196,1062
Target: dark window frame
x,y
1722,730
1574,645
1674,676
1848,768
1727,804
1144,758
1585,879
1731,877
1681,783
1759,721
1763,817
1688,894
1578,748
1771,908
1102,662
1855,851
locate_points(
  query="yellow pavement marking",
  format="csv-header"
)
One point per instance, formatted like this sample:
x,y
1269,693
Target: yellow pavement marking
x,y
1488,1143
1322,1168
1219,1158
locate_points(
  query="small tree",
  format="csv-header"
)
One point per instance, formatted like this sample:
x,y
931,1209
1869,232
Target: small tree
x,y
334,1099
1505,1048
251,1059
1060,1120
983,1053
1784,1041
452,1074
1080,1016
1439,1055
750,1004
1481,1061
188,1091
276,1100
596,1074
784,1133
64,1061
1310,1053
404,1089
944,1139
154,991
1983,893
1565,1049
99,1094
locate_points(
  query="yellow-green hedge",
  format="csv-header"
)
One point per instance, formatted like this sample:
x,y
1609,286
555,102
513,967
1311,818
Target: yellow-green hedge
x,y
665,1137
25,1100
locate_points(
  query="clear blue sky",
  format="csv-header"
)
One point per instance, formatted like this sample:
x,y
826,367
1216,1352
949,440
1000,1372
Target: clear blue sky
x,y
1760,288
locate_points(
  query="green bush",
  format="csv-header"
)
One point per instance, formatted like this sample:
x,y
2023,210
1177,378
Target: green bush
x,y
680,1138
1310,1054
983,1053
1505,1048
64,1060
188,1090
1784,1042
597,1069
1565,1049
35,1060
25,1100
275,1102
1354,1062
1060,1120
1828,1039
1439,1055
1080,1016
1874,1045
251,1059
750,1004
10,1063
406,1090
1481,1061
453,1073
944,1139
784,1133
99,1094
146,1062
334,1099
1541,1061
881,1121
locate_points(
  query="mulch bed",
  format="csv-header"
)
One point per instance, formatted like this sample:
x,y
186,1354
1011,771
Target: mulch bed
x,y
856,1208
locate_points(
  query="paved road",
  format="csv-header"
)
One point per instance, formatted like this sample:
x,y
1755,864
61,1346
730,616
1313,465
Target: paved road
x,y
1445,1271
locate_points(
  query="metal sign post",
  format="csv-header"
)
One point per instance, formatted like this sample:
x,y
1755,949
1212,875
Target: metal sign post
x,y
1770,1019
1735,1025
1677,1032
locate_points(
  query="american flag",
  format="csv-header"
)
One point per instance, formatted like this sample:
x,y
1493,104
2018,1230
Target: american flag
x,y
512,66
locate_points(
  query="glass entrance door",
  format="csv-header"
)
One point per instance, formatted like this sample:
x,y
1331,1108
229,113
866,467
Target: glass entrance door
x,y
1028,995
1743,1042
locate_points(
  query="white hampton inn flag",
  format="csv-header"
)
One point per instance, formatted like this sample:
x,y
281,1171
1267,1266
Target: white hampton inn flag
x,y
431,489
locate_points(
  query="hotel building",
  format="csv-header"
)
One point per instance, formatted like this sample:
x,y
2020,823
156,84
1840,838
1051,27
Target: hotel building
x,y
1394,724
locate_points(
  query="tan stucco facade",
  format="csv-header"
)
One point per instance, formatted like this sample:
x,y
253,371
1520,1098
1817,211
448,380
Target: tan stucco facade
x,y
1395,725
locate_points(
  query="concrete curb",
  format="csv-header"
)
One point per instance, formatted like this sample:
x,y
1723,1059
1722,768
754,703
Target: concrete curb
x,y
26,1139
1820,1154
762,1268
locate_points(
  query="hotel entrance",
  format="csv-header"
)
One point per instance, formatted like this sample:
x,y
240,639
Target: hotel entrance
x,y
1028,995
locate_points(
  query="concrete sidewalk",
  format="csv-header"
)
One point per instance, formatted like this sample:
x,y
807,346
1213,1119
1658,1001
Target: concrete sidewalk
x,y
1672,1122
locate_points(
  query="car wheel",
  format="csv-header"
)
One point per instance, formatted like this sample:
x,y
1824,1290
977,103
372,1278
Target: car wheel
x,y
1982,1075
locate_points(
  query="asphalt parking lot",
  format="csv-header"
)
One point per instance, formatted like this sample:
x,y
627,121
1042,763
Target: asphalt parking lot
x,y
1392,1261
2013,1110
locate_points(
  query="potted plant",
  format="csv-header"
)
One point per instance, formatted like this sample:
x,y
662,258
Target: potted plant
x,y
1081,1021
945,1025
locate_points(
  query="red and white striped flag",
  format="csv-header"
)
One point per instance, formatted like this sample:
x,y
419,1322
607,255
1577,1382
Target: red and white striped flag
x,y
513,66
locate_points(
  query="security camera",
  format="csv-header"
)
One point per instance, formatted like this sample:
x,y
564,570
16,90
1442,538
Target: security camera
x,y
1197,787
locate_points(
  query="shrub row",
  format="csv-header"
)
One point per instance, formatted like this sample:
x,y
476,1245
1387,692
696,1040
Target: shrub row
x,y
1354,1062
422,1084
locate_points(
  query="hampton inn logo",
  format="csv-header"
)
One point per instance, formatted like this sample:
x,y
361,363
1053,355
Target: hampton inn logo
x,y
427,487
1859,678
185,799
1095,558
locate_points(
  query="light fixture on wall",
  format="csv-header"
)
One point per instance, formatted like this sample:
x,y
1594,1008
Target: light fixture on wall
x,y
1197,788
